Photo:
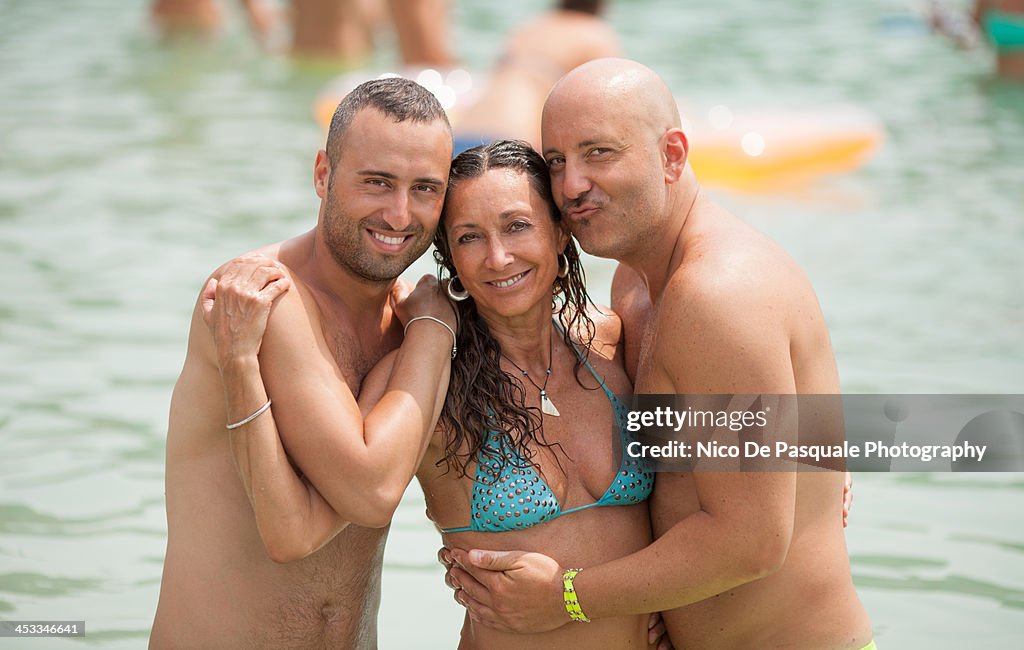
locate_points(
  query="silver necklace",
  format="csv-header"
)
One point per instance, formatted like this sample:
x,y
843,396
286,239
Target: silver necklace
x,y
546,405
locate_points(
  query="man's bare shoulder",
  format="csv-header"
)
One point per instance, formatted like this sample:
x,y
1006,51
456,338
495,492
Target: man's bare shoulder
x,y
292,253
607,331
201,350
298,305
294,329
629,293
730,308
626,282
735,269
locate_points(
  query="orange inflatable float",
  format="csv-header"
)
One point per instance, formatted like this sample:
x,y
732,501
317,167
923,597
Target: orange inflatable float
x,y
756,150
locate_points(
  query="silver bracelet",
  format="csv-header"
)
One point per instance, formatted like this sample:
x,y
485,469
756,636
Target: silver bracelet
x,y
258,412
455,346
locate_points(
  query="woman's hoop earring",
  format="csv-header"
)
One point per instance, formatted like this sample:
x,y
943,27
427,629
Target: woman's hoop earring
x,y
457,295
563,265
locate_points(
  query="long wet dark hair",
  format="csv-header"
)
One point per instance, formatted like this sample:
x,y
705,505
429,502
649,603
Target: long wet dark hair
x,y
481,396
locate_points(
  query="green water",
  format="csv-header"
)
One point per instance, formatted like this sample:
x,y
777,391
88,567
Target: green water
x,y
129,170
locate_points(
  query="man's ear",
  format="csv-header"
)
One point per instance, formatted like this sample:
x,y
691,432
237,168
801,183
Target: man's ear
x,y
676,151
321,173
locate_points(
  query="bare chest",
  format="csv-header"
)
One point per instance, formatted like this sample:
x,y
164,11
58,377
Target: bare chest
x,y
355,357
355,351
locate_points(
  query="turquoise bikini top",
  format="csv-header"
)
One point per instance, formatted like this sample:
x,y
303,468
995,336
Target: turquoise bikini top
x,y
513,496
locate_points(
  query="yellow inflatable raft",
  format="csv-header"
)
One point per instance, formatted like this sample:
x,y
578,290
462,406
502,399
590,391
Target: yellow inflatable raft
x,y
759,150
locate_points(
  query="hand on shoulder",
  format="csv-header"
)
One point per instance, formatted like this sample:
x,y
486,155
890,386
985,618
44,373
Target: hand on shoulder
x,y
236,304
426,300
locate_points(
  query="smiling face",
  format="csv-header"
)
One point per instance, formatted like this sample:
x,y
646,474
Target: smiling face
x,y
504,243
383,195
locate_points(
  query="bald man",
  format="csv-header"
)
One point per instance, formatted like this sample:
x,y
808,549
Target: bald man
x,y
709,306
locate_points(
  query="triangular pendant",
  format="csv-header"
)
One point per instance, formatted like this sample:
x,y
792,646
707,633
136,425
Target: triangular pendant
x,y
547,406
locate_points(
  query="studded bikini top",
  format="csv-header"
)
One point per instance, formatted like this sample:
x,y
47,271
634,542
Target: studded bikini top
x,y
513,496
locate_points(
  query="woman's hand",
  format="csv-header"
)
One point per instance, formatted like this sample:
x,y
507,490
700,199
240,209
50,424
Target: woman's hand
x,y
237,304
427,299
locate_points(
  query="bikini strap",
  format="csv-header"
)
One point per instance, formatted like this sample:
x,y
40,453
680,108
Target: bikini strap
x,y
582,358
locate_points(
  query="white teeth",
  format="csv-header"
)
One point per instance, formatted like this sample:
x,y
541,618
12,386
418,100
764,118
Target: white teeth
x,y
508,283
388,240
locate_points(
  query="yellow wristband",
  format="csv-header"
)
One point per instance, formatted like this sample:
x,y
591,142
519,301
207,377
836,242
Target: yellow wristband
x,y
572,601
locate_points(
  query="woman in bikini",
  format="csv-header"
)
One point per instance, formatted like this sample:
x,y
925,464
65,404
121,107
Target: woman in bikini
x,y
529,449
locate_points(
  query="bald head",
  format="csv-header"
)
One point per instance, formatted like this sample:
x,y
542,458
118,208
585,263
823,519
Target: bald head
x,y
618,87
617,156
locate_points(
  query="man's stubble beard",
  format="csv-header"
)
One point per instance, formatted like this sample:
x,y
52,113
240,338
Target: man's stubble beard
x,y
344,239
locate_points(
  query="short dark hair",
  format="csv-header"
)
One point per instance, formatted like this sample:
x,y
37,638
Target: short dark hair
x,y
399,98
593,7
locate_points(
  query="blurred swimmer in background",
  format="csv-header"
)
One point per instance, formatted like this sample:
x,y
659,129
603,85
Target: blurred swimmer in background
x,y
174,19
337,30
1000,22
535,56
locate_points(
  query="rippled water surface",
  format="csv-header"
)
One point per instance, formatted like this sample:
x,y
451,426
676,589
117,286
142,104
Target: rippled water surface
x,y
129,170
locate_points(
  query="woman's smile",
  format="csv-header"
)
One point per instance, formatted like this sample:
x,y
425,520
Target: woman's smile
x,y
510,281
